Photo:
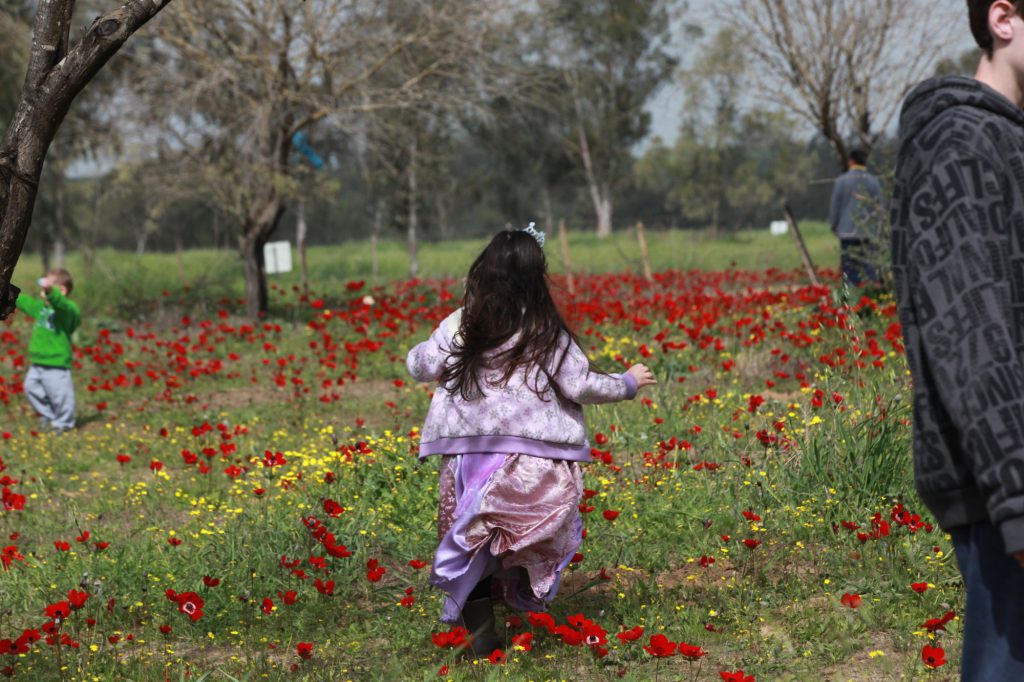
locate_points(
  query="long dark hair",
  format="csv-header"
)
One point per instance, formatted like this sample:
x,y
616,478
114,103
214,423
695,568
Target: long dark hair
x,y
507,293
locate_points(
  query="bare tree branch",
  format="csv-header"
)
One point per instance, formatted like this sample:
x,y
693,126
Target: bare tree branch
x,y
843,66
53,80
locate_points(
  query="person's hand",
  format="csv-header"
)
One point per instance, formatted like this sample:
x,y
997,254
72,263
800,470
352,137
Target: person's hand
x,y
643,375
46,284
1019,556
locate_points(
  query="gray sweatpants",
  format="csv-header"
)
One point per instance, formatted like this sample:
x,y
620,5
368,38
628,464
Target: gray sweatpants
x,y
52,394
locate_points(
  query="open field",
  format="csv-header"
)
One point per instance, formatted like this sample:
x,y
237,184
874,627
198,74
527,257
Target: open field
x,y
236,488
122,285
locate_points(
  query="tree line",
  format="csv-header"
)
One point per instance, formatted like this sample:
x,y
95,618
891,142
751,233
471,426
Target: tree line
x,y
228,123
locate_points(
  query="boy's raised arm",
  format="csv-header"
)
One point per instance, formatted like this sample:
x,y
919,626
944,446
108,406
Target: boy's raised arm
x,y
29,305
68,315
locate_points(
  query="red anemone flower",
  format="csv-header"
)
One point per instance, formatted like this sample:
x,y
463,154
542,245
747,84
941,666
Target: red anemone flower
x,y
61,610
737,676
77,599
631,635
522,641
189,603
851,600
660,646
691,652
933,656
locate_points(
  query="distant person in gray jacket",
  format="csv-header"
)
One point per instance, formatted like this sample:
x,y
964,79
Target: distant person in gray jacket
x,y
853,216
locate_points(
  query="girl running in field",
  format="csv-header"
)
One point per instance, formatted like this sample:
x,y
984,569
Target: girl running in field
x,y
507,417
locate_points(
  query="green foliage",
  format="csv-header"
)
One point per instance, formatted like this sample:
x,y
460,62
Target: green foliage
x,y
863,462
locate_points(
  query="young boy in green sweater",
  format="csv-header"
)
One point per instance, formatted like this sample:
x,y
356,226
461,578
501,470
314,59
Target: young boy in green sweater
x,y
48,382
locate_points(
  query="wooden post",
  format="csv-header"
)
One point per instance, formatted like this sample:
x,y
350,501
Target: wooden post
x,y
795,229
643,253
563,240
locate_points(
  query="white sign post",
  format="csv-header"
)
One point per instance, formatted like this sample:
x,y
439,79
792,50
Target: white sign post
x,y
779,228
277,257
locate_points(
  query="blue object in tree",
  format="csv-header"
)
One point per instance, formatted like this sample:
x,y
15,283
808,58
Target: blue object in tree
x,y
301,143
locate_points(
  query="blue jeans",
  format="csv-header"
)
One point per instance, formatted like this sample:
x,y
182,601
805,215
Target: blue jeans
x,y
993,648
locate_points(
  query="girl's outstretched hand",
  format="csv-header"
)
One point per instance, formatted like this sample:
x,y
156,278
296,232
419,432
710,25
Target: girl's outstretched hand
x,y
643,375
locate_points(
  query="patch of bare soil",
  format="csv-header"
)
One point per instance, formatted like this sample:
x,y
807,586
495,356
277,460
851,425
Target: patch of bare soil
x,y
885,665
352,392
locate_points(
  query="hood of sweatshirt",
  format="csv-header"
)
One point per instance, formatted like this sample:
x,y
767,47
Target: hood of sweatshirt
x,y
936,95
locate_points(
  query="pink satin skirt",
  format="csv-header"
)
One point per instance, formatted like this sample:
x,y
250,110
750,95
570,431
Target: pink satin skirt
x,y
512,517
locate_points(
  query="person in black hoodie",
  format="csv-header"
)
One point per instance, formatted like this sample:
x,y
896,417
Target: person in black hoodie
x,y
958,263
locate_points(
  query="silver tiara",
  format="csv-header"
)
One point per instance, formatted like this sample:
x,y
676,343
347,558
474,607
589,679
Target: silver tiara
x,y
535,233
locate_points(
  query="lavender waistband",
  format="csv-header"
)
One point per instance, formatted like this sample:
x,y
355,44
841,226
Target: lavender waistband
x,y
508,444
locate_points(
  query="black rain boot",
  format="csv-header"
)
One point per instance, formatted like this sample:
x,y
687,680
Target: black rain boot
x,y
478,618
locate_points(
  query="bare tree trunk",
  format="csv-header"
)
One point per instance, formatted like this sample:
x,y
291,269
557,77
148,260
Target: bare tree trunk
x,y
97,196
45,250
716,212
563,240
255,234
378,217
217,242
300,244
604,211
54,78
147,228
600,193
441,210
58,218
644,255
256,299
545,201
179,254
412,236
59,250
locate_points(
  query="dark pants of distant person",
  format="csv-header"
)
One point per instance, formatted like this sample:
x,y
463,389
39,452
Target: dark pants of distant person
x,y
856,260
993,624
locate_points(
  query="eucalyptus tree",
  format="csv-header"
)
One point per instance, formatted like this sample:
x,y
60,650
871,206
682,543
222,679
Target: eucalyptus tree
x,y
613,57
